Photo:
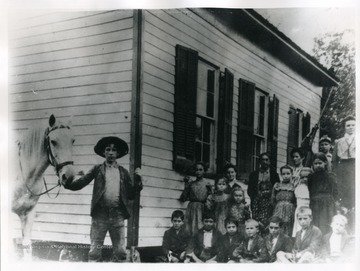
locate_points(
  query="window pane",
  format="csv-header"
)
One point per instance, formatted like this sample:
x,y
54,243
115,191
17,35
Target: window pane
x,y
201,102
210,81
198,134
262,115
198,151
210,105
206,155
207,130
202,76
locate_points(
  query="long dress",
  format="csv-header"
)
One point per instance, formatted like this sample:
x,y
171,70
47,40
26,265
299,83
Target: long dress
x,y
283,198
218,203
196,192
302,199
262,207
323,193
344,168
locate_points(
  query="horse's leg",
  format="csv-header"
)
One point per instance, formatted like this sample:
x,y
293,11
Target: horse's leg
x,y
26,226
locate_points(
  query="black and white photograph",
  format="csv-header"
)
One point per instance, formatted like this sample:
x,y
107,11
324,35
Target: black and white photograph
x,y
193,134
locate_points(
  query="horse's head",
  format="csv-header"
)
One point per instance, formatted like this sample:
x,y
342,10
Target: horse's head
x,y
60,140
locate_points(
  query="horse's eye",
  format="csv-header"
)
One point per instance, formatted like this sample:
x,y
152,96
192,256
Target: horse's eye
x,y
73,141
53,142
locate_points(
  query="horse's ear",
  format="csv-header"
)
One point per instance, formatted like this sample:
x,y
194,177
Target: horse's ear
x,y
52,120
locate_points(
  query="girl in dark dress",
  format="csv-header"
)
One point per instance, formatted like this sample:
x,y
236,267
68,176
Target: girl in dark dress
x,y
323,193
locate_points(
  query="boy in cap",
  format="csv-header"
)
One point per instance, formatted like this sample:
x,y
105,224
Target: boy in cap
x,y
112,190
325,147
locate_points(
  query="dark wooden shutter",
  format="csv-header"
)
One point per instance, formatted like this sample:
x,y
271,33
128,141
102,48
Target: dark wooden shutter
x,y
245,125
306,122
185,106
272,145
293,132
225,119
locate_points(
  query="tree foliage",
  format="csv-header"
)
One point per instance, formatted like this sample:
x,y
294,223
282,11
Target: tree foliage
x,y
336,51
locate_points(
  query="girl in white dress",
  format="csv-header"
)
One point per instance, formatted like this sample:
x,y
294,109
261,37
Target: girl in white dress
x,y
302,195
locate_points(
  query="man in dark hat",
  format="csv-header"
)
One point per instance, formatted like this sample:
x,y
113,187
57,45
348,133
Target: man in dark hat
x,y
112,190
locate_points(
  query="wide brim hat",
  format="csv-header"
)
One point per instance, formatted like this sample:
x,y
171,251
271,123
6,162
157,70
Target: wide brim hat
x,y
120,145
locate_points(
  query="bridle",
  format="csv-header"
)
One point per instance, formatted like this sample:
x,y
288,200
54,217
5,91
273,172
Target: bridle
x,y
51,158
52,161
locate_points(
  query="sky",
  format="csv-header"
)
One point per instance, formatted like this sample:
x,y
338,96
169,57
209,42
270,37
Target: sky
x,y
302,25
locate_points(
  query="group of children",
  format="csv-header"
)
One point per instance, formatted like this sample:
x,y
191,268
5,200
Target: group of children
x,y
218,225
210,246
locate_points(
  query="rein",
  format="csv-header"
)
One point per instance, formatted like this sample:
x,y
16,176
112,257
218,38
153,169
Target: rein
x,y
52,162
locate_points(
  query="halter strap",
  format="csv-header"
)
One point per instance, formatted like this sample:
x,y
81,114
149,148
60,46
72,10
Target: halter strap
x,y
51,157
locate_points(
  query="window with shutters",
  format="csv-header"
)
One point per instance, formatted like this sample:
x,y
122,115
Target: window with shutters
x,y
205,114
199,126
299,127
257,127
260,125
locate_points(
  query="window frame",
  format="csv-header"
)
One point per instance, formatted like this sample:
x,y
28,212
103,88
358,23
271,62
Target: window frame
x,y
214,119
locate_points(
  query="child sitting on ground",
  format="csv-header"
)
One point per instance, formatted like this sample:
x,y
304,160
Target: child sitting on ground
x,y
205,244
253,248
229,241
175,240
276,240
338,246
307,241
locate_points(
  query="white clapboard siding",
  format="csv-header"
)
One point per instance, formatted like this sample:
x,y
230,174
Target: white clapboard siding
x,y
77,66
163,30
71,53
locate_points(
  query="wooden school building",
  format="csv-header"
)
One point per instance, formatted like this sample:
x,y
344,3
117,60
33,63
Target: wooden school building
x,y
177,85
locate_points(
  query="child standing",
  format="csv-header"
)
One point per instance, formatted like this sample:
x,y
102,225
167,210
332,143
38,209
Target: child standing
x,y
204,246
283,198
253,248
307,241
196,192
175,240
302,195
113,188
325,147
229,241
217,203
323,193
238,209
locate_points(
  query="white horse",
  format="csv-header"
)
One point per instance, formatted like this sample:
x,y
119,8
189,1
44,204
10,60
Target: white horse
x,y
39,148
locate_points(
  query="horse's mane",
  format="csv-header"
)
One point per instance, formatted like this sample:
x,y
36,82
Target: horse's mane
x,y
32,144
